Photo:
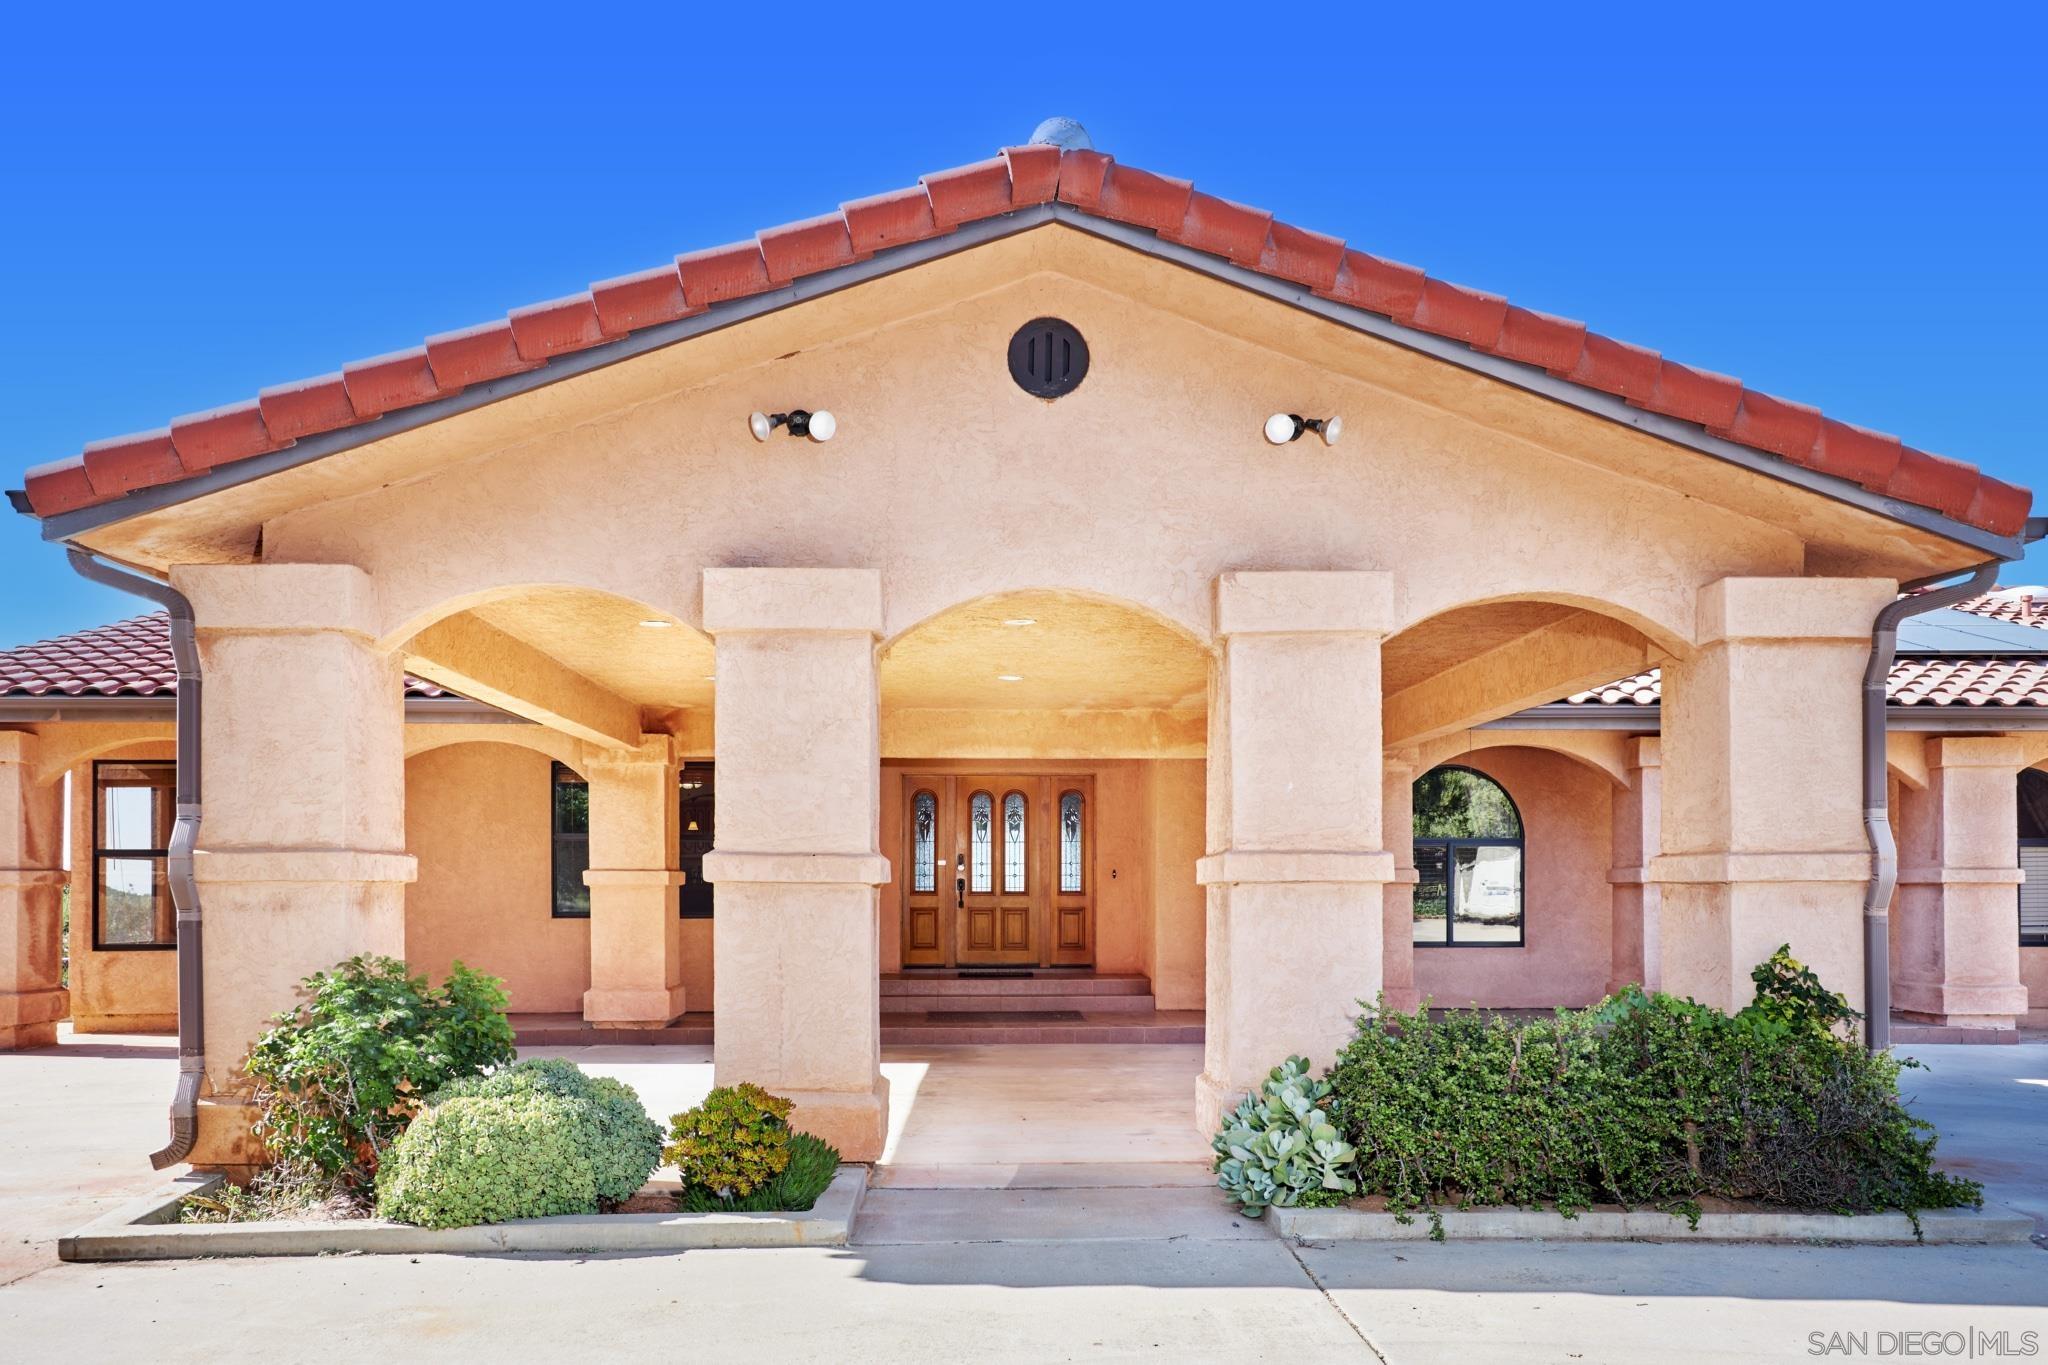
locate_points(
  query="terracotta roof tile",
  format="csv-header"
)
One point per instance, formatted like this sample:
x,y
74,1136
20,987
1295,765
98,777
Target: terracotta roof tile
x,y
1916,681
1092,183
130,658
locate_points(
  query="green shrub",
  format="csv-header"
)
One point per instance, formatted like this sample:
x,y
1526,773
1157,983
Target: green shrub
x,y
812,1163
1280,1146
1642,1100
733,1143
339,1076
622,1144
478,1160
535,1139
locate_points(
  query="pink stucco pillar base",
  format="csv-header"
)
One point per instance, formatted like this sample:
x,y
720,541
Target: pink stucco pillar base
x,y
1296,872
31,897
300,860
1762,822
797,979
636,959
1956,957
1635,942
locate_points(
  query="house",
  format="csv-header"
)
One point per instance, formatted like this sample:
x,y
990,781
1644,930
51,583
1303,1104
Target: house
x,y
1048,570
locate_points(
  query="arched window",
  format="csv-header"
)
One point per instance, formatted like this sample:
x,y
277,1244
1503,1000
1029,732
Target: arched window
x,y
2033,832
1468,855
980,822
1013,844
924,842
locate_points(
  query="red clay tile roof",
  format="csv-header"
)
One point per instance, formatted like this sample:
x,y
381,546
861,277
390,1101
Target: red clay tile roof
x,y
1087,181
2025,609
129,658
1921,680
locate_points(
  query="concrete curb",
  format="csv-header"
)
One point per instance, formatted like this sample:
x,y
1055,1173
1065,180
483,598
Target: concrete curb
x,y
1940,1227
145,1231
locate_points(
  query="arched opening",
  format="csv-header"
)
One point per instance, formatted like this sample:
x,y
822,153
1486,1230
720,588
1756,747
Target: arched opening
x,y
1468,858
1042,808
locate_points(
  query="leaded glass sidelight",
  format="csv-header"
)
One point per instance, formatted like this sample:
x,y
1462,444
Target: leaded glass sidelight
x,y
924,820
980,828
1070,842
1013,843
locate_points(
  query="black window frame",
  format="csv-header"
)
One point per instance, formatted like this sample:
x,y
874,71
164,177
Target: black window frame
x,y
691,847
100,853
1450,846
557,772
2029,816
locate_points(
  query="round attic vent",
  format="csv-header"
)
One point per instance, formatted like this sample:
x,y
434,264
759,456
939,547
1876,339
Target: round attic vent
x,y
1048,358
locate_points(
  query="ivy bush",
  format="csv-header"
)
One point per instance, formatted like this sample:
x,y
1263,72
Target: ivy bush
x,y
532,1140
340,1076
1641,1100
733,1144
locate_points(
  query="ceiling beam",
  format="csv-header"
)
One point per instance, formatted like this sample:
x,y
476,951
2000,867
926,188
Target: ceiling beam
x,y
1583,650
480,661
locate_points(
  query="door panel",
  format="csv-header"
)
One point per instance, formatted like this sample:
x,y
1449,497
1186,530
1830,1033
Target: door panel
x,y
998,870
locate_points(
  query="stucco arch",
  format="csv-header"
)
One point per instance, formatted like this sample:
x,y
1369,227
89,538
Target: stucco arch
x,y
565,749
1605,752
403,622
1662,617
65,748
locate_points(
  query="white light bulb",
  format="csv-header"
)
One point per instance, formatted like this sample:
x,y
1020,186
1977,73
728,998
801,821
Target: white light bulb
x,y
1280,429
823,425
1332,428
758,423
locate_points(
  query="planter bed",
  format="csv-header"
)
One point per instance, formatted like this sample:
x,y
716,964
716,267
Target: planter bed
x,y
148,1230
1361,1222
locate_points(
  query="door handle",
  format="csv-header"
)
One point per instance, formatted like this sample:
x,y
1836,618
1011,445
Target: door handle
x,y
960,893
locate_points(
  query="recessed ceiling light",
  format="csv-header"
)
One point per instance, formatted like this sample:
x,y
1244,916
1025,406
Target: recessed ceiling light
x,y
710,677
1021,621
657,625
1009,677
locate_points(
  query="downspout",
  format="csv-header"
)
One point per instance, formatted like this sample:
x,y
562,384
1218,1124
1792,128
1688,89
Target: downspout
x,y
184,836
1877,825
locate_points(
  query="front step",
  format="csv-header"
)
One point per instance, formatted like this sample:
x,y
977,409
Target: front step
x,y
1026,992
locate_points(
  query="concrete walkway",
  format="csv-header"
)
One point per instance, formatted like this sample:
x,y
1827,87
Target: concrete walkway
x,y
1113,1251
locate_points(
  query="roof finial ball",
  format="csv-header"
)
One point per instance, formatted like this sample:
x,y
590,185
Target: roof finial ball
x,y
1064,133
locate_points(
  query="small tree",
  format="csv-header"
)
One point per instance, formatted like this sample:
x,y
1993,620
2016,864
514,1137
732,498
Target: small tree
x,y
340,1076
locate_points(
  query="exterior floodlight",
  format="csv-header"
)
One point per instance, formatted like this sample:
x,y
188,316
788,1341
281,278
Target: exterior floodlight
x,y
819,425
1283,427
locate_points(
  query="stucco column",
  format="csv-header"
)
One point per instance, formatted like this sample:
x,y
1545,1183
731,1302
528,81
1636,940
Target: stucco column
x,y
1955,942
636,959
796,971
31,896
1636,958
1296,871
300,859
1763,839
1397,936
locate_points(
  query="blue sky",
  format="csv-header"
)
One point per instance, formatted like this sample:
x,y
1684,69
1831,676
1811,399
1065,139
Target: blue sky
x,y
1847,211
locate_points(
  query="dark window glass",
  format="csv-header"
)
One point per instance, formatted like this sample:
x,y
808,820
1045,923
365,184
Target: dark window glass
x,y
571,835
696,802
134,805
1468,858
2034,857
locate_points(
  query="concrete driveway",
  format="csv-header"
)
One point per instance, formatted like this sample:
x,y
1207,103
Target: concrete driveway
x,y
1124,1259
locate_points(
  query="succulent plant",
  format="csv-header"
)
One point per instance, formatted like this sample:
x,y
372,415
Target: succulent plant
x,y
1279,1146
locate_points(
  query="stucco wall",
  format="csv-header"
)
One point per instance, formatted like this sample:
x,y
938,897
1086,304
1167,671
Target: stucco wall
x,y
2034,972
1176,793
132,990
477,818
1567,837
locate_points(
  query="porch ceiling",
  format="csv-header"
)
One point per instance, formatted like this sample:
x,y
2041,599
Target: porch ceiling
x,y
1063,651
600,637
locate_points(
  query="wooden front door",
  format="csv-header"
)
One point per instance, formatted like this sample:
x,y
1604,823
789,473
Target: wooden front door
x,y
997,870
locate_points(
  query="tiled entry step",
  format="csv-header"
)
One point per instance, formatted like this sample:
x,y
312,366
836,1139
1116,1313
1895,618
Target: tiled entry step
x,y
1020,992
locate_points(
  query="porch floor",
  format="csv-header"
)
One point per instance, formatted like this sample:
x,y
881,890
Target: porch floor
x,y
961,1024
986,1115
